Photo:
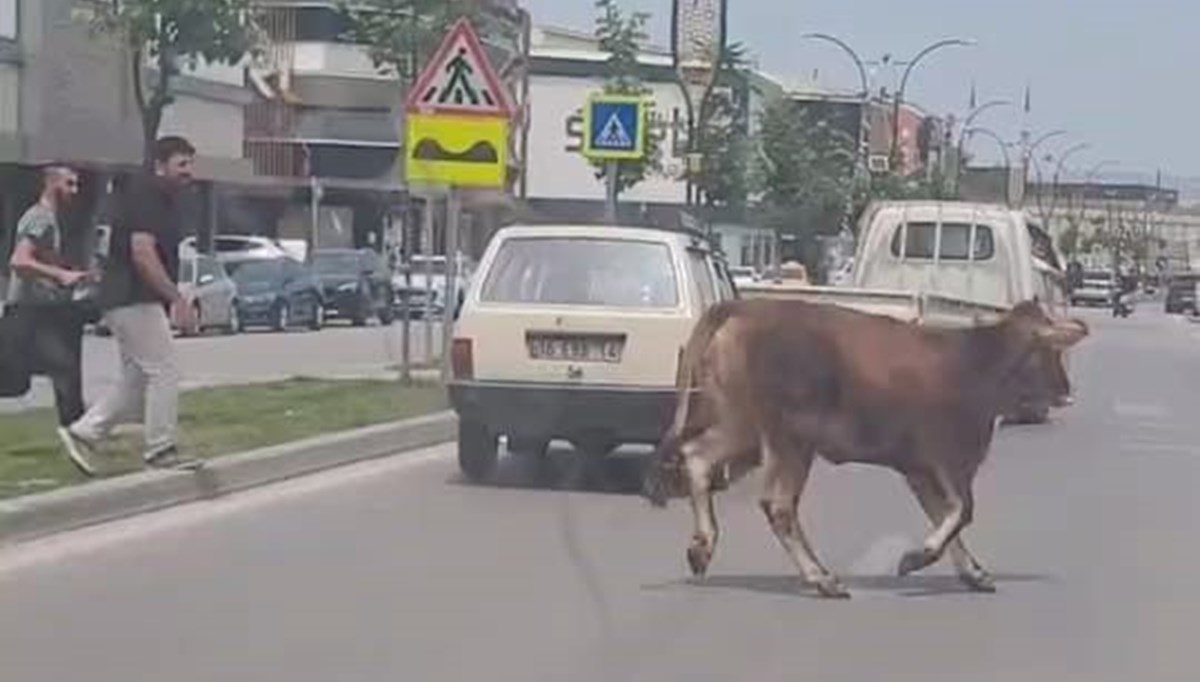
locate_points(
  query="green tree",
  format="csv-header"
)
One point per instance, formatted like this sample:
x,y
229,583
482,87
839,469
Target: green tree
x,y
807,172
727,151
400,35
171,34
622,38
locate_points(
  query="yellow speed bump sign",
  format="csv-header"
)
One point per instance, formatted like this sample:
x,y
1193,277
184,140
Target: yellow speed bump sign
x,y
457,150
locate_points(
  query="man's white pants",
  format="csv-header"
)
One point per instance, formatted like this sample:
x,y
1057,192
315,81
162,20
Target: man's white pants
x,y
149,381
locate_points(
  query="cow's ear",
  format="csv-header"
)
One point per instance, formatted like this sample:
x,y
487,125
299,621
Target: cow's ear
x,y
1063,334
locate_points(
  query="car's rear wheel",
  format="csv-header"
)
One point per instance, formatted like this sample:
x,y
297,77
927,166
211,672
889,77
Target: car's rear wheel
x,y
477,455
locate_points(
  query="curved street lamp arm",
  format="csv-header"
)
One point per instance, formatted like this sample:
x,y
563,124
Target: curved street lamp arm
x,y
1037,143
862,70
950,42
979,110
1062,160
991,134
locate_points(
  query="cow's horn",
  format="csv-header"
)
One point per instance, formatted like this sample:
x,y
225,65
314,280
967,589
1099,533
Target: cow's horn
x,y
1064,334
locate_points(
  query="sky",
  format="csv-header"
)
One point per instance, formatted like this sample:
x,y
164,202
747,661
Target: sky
x,y
1119,75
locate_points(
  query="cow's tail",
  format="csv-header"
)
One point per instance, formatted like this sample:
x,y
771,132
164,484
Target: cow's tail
x,y
664,474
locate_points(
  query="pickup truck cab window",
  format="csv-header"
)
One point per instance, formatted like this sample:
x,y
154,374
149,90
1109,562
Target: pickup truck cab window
x,y
959,241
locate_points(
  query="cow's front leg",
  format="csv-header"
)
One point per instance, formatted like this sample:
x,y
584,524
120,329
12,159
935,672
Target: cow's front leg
x,y
784,477
959,510
969,570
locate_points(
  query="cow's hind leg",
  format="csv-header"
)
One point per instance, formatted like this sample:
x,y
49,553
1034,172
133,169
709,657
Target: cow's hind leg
x,y
969,570
702,456
784,476
958,512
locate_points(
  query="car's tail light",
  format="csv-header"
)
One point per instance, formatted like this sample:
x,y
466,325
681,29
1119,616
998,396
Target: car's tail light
x,y
462,359
679,368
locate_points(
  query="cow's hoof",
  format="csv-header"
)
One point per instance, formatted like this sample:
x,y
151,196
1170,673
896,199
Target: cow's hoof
x,y
916,560
978,581
831,588
698,557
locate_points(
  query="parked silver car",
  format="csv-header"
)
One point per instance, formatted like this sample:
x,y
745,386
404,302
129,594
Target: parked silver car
x,y
215,294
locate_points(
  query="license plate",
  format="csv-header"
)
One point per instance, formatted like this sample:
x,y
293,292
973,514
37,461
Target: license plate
x,y
575,348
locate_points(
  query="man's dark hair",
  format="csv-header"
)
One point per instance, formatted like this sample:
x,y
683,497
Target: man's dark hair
x,y
172,145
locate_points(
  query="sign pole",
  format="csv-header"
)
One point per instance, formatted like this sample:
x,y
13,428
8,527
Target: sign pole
x,y
611,175
314,215
450,305
427,250
614,129
405,316
457,132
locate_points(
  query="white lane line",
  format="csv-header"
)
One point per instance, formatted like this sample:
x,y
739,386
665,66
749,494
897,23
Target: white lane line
x,y
1158,448
71,544
1140,410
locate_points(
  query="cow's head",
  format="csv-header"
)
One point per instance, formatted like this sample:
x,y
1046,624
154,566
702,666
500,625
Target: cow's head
x,y
1040,342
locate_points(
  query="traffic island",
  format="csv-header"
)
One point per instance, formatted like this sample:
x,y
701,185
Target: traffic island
x,y
252,435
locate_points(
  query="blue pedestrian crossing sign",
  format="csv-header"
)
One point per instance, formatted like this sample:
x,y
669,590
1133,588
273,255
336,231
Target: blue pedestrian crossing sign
x,y
614,127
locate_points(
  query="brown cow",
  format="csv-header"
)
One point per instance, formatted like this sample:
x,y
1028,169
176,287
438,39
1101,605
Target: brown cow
x,y
774,383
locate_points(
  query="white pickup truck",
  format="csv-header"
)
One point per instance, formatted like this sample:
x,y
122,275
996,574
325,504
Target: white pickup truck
x,y
942,263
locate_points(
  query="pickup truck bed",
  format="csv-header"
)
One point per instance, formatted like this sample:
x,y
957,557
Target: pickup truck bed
x,y
909,306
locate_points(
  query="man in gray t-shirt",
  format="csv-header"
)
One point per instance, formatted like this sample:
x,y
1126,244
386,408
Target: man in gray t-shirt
x,y
40,293
39,226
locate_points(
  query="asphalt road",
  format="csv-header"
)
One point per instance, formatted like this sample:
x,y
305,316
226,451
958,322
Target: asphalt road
x,y
338,351
397,571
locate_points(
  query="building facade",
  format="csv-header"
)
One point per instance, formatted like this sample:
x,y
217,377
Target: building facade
x,y
68,95
1165,231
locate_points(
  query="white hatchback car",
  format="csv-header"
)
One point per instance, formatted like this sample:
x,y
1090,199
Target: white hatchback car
x,y
575,333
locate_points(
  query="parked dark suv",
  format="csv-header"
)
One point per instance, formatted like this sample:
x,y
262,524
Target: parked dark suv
x,y
356,284
1181,294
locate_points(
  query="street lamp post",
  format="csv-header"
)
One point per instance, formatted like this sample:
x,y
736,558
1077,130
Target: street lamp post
x,y
950,42
695,111
987,132
958,149
864,93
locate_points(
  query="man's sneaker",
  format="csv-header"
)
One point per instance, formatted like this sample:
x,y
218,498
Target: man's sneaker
x,y
79,449
168,457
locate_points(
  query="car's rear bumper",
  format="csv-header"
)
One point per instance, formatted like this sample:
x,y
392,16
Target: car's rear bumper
x,y
346,303
625,415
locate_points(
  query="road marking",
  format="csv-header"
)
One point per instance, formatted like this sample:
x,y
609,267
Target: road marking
x,y
1136,410
1159,448
72,544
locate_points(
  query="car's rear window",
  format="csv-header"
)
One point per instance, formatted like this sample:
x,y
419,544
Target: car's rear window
x,y
582,271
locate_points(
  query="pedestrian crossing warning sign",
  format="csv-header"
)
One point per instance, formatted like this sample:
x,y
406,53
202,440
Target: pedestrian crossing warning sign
x,y
457,121
613,134
459,79
615,127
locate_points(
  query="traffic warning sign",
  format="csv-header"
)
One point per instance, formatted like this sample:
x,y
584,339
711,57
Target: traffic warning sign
x,y
457,122
459,79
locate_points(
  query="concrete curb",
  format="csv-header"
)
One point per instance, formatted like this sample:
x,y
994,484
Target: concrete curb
x,y
35,516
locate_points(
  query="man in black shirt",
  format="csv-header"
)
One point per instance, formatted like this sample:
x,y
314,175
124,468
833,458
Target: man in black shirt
x,y
138,291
